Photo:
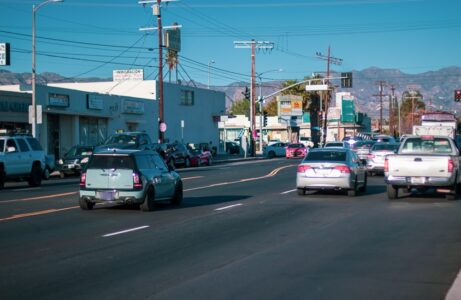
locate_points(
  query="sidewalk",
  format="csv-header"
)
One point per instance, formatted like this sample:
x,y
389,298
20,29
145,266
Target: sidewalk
x,y
225,158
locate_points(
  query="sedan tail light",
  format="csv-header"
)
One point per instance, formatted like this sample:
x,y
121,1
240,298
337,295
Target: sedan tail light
x,y
137,182
343,169
83,179
451,166
303,168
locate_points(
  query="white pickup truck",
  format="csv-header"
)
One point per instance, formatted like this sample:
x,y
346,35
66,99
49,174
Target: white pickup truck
x,y
424,163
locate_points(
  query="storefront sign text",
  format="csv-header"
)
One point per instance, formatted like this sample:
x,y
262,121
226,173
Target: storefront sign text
x,y
58,100
95,102
133,107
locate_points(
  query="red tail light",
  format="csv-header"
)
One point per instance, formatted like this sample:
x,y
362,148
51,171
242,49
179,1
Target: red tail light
x,y
303,168
451,166
137,182
83,179
386,165
343,169
371,156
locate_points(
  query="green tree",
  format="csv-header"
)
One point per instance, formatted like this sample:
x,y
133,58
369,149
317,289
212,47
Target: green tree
x,y
411,109
240,107
271,108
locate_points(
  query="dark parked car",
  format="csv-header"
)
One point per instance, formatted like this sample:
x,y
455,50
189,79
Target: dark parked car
x,y
75,160
232,148
178,155
126,140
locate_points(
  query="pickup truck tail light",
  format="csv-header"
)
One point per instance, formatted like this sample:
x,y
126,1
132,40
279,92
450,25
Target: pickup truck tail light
x,y
83,179
137,182
343,169
451,166
386,165
303,168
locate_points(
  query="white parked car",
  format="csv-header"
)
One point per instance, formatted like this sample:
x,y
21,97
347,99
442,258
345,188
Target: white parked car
x,y
306,141
276,149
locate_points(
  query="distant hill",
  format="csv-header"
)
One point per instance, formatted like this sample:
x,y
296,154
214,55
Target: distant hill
x,y
437,87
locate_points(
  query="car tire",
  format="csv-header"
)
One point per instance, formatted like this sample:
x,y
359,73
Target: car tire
x,y
35,178
178,194
210,161
353,192
149,200
271,154
62,175
392,192
454,195
363,189
2,178
46,173
301,192
187,162
85,204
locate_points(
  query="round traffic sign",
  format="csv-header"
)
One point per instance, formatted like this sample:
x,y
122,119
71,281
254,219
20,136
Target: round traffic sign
x,y
162,127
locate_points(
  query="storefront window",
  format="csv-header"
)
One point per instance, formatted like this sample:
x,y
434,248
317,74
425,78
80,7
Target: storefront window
x,y
93,131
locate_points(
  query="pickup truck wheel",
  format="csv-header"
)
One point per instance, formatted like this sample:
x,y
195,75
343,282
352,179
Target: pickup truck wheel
x,y
85,204
178,194
35,178
149,200
301,192
392,192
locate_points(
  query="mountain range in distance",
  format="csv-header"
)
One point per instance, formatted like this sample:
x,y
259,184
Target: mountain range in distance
x,y
437,87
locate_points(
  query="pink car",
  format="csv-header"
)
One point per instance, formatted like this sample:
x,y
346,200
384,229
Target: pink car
x,y
296,151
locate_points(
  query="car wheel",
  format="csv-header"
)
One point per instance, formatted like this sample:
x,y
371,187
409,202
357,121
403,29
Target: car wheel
x,y
46,173
301,192
149,200
353,192
199,162
210,161
85,204
35,178
271,154
392,192
454,194
62,175
2,178
187,162
363,189
178,194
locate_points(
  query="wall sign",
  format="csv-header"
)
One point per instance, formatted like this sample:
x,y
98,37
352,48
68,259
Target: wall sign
x,y
131,74
133,107
4,54
58,100
94,102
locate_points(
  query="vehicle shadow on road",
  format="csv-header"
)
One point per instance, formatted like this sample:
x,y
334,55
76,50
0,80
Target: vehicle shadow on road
x,y
189,202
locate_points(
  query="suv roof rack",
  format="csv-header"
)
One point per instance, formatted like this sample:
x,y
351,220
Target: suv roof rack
x,y
14,132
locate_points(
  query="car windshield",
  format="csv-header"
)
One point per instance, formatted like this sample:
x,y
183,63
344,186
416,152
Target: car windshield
x,y
328,156
334,145
111,162
79,151
296,146
383,147
121,139
363,144
426,145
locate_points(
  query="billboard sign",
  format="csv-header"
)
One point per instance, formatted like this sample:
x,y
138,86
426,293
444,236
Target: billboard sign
x,y
130,74
290,105
4,54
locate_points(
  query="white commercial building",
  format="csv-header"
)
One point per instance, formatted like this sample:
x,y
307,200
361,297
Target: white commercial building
x,y
86,113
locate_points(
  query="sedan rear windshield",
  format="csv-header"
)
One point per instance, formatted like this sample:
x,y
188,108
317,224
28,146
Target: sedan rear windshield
x,y
426,145
111,162
326,156
296,146
382,147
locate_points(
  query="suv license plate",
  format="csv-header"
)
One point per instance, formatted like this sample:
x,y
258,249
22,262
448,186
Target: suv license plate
x,y
107,195
418,180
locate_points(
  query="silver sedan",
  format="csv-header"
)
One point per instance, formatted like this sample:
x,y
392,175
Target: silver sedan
x,y
331,169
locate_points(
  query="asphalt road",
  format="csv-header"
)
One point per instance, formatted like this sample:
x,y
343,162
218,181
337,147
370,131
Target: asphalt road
x,y
241,233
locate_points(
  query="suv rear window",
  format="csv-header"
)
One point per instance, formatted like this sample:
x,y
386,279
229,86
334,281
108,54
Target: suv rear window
x,y
2,145
111,162
34,144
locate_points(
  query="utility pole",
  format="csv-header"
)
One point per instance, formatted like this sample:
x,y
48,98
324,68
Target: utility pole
x,y
253,45
330,60
391,111
156,10
380,95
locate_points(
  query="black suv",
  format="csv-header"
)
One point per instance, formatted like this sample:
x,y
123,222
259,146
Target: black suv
x,y
175,154
126,140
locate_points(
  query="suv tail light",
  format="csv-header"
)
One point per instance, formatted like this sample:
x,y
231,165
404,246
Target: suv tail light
x,y
303,168
386,165
343,169
83,179
451,166
137,182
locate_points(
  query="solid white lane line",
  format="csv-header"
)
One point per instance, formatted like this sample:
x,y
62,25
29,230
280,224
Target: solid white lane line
x,y
125,231
227,207
287,192
193,177
38,198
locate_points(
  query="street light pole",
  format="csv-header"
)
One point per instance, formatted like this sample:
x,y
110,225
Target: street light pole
x,y
34,110
209,71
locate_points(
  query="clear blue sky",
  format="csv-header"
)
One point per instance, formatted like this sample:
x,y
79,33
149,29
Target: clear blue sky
x,y
412,35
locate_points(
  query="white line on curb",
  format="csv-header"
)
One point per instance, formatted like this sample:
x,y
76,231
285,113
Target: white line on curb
x,y
287,192
125,231
230,206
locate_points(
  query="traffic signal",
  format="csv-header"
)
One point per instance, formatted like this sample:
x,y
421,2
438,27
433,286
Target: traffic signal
x,y
346,80
246,93
265,118
457,95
